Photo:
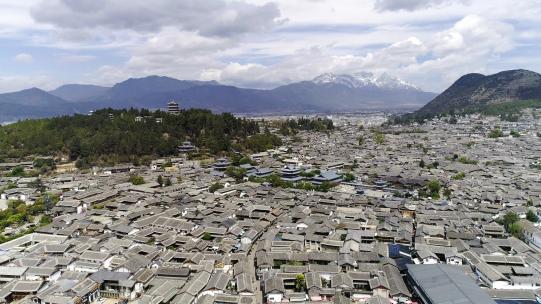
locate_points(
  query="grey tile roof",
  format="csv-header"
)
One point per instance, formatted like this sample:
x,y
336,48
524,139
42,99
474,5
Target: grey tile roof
x,y
446,284
26,286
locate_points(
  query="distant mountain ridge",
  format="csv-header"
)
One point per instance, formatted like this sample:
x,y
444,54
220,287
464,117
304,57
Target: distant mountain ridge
x,y
325,93
79,92
475,91
32,103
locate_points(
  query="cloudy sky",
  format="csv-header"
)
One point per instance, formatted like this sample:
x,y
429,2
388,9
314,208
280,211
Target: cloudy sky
x,y
263,43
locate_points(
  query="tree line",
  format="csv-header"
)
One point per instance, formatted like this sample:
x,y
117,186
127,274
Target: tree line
x,y
292,126
125,134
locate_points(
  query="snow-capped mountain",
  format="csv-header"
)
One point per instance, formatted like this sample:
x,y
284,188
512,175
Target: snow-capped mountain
x,y
365,79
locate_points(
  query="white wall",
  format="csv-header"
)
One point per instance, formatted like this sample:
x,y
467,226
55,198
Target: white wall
x,y
274,297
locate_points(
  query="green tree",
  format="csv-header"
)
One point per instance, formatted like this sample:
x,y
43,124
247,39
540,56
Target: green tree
x,y
49,201
466,160
308,186
300,282
207,237
379,138
159,180
44,164
459,176
38,185
510,218
245,160
516,230
74,147
434,188
16,171
447,193
360,140
215,187
136,180
284,130
236,172
495,133
422,163
308,174
276,181
531,216
325,186
45,220
348,177
318,125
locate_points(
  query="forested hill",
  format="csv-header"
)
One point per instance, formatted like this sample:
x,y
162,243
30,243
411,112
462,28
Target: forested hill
x,y
474,92
505,94
123,135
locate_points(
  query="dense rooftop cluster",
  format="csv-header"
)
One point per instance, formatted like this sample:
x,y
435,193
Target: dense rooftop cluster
x,y
263,228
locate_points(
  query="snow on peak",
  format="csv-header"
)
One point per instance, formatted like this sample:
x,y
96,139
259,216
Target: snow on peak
x,y
365,79
325,78
390,81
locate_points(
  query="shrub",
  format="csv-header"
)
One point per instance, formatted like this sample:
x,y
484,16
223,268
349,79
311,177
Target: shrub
x,y
459,176
434,188
215,187
516,230
299,282
495,133
136,180
466,160
509,219
235,172
531,216
379,138
348,177
207,237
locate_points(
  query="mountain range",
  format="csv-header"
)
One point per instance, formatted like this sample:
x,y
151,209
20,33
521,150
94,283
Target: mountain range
x,y
325,93
474,91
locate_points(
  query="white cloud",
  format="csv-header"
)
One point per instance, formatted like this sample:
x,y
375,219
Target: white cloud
x,y
24,58
410,5
107,75
208,18
74,58
15,17
473,44
9,83
474,34
238,74
171,52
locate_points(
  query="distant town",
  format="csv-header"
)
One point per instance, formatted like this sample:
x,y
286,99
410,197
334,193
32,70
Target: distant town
x,y
358,211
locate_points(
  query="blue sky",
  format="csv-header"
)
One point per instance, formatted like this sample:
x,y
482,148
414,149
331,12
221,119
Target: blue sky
x,y
263,43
